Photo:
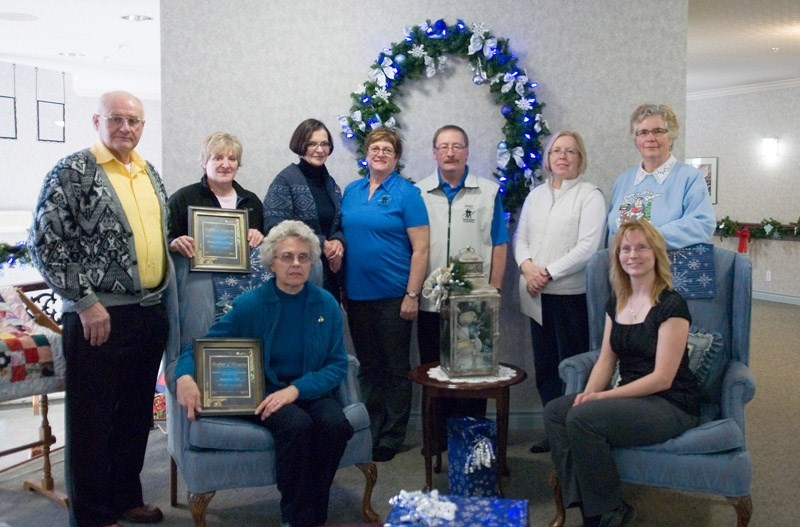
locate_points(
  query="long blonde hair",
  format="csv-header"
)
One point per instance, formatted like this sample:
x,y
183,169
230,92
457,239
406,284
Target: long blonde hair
x,y
620,281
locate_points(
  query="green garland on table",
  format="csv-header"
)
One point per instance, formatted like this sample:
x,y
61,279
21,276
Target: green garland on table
x,y
424,52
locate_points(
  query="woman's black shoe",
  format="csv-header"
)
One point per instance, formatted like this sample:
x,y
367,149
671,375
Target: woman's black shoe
x,y
541,447
382,453
619,517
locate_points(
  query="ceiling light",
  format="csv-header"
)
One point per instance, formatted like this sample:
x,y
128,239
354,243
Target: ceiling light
x,y
769,147
137,18
776,49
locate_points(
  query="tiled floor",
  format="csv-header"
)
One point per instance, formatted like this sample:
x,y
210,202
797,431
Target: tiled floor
x,y
19,426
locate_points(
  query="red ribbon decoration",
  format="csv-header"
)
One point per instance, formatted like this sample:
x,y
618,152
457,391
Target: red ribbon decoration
x,y
744,234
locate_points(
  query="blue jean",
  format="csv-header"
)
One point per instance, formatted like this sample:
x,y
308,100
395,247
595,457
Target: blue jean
x,y
310,438
382,341
581,438
109,411
564,332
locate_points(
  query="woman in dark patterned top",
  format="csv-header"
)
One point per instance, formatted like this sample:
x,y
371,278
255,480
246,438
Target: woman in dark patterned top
x,y
657,397
305,191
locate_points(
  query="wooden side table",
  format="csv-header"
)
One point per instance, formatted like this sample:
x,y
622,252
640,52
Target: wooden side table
x,y
433,389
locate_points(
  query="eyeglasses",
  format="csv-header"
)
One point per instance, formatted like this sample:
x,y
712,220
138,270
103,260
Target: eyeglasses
x,y
312,147
567,152
446,148
289,258
627,249
375,150
655,131
117,121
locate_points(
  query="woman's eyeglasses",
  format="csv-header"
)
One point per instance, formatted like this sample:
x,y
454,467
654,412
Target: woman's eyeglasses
x,y
312,147
375,150
289,258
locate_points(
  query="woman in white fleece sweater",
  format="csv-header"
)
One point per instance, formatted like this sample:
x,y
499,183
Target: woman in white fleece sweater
x,y
561,226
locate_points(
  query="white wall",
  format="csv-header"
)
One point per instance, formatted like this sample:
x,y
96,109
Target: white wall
x,y
25,161
260,68
751,188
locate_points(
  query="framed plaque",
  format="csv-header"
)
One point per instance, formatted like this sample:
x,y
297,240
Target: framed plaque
x,y
230,375
220,239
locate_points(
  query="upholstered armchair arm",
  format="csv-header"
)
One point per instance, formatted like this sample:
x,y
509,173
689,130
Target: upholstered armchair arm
x,y
348,392
575,370
738,389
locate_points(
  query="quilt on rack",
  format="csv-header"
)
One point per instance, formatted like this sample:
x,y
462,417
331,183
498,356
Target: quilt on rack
x,y
31,359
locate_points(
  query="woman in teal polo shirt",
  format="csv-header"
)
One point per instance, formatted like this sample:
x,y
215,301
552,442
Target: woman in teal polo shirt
x,y
386,227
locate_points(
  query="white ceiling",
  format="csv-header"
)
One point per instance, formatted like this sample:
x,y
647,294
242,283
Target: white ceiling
x,y
730,42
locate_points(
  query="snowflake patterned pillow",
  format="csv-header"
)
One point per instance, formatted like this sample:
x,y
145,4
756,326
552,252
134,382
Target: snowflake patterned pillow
x,y
693,271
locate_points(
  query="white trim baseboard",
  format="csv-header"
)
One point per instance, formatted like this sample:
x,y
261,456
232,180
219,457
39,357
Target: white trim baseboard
x,y
774,297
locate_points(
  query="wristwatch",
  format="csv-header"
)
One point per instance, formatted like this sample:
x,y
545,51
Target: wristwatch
x,y
412,294
549,276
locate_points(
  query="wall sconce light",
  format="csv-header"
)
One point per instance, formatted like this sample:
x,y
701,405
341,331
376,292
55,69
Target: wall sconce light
x,y
769,147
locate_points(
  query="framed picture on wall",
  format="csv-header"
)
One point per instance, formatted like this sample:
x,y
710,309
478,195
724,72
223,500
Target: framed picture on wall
x,y
708,167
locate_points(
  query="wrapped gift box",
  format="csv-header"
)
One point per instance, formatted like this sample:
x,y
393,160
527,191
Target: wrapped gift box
x,y
471,460
470,512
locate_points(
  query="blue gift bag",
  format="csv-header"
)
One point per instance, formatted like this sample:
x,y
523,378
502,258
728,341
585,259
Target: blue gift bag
x,y
471,459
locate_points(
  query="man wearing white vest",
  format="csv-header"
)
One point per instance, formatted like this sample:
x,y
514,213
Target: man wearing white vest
x,y
464,210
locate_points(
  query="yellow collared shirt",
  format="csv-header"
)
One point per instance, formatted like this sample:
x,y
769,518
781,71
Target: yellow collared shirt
x,y
140,203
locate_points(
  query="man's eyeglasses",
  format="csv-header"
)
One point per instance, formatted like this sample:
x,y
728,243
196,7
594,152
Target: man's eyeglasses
x,y
655,131
446,148
375,150
117,121
312,147
289,258
567,152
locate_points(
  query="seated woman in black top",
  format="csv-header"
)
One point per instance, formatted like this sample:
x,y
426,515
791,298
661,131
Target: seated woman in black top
x,y
657,397
221,158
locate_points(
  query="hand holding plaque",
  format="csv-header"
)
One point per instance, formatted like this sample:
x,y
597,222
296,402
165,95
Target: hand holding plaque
x,y
230,375
220,239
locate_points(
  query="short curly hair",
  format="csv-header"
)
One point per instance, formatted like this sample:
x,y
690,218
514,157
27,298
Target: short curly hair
x,y
662,110
289,229
389,135
221,142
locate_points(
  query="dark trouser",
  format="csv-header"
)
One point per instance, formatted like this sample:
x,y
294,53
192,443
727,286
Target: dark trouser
x,y
581,439
109,411
428,335
382,340
564,332
310,438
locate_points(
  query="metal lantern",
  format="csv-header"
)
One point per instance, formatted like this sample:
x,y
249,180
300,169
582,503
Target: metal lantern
x,y
469,323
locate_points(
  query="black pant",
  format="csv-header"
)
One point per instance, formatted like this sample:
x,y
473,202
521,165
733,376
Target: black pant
x,y
109,411
564,332
382,340
310,438
428,335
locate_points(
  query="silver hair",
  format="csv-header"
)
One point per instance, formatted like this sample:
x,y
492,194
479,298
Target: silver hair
x,y
289,229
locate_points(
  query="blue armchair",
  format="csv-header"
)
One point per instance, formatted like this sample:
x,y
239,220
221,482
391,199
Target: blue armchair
x,y
713,457
216,453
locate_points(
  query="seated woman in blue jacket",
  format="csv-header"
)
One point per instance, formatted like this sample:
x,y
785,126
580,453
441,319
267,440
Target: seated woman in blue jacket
x,y
300,326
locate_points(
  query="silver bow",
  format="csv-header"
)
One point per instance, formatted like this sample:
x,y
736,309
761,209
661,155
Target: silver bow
x,y
515,81
504,155
477,43
383,71
435,286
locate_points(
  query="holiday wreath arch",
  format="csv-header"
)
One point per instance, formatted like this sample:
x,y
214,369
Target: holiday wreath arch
x,y
423,52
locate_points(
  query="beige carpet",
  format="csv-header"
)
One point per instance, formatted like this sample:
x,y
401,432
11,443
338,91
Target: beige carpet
x,y
773,421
